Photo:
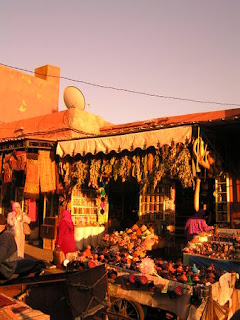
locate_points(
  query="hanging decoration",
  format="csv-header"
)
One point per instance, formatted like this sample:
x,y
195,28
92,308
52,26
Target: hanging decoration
x,y
79,172
173,161
94,173
102,198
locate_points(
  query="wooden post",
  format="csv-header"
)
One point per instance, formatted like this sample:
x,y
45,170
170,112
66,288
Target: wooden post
x,y
44,206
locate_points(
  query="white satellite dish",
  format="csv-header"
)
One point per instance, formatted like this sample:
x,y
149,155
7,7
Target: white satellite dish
x,y
73,98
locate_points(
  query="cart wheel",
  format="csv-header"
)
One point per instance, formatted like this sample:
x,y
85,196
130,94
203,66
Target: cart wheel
x,y
126,308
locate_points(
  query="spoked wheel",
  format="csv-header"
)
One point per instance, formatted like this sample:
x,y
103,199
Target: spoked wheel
x,y
127,309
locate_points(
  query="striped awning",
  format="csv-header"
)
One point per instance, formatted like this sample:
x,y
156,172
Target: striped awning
x,y
127,141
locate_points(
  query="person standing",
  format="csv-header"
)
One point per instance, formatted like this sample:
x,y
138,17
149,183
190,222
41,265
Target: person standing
x,y
196,224
65,233
15,221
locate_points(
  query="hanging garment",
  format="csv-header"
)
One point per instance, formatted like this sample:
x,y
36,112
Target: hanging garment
x,y
32,177
47,171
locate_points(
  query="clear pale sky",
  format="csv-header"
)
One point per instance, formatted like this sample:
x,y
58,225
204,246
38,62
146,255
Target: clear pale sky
x,y
178,48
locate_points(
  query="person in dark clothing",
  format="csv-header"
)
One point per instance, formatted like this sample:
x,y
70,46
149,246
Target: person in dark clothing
x,y
236,315
8,251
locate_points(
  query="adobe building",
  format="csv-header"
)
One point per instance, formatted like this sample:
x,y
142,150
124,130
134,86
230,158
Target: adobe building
x,y
30,127
25,96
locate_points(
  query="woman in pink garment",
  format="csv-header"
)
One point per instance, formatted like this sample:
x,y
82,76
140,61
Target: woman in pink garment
x,y
65,233
196,224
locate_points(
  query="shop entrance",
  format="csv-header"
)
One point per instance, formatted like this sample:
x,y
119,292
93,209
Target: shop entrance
x,y
123,204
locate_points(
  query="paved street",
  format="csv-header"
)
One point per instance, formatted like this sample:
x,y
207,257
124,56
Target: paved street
x,y
32,251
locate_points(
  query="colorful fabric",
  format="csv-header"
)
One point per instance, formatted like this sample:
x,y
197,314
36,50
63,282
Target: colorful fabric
x,y
7,173
32,210
13,162
47,171
32,177
21,160
196,224
66,216
199,214
65,233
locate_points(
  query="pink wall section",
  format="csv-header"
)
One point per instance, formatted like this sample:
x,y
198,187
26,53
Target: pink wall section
x,y
24,96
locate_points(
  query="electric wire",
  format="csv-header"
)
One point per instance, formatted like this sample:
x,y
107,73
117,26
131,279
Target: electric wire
x,y
125,90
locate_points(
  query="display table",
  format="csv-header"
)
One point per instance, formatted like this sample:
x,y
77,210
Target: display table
x,y
200,260
178,304
89,235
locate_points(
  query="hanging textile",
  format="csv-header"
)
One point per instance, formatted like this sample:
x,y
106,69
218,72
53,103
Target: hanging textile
x,y
47,171
13,161
7,173
32,177
32,210
7,169
21,160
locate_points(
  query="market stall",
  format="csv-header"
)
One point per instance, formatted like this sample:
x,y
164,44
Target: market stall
x,y
137,281
165,288
220,249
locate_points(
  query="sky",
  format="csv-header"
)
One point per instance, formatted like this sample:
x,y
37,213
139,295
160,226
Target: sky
x,y
164,50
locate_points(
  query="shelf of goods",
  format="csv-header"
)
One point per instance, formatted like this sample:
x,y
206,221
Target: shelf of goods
x,y
158,205
222,199
86,208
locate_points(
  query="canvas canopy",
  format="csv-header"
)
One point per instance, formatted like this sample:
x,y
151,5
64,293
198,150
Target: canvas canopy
x,y
129,141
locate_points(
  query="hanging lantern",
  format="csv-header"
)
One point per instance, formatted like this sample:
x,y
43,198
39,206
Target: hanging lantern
x,y
102,204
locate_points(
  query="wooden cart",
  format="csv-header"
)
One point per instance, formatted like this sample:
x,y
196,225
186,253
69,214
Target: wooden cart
x,y
62,295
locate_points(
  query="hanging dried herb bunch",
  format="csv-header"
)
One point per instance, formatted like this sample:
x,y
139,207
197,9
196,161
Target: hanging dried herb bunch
x,y
79,172
94,172
149,166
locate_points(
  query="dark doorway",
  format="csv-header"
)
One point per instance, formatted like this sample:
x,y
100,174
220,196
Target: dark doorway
x,y
123,204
